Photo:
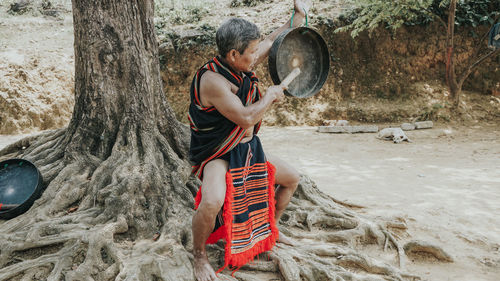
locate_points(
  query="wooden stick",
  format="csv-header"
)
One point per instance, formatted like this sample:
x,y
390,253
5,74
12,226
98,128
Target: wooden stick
x,y
6,207
295,72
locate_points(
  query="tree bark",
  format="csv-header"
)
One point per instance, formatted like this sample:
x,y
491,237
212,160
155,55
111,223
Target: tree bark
x,y
117,177
451,78
117,82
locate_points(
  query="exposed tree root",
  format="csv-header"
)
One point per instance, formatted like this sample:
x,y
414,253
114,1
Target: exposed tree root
x,y
401,254
119,201
122,201
425,248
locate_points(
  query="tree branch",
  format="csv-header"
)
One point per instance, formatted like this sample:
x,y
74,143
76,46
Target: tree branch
x,y
471,67
440,20
478,45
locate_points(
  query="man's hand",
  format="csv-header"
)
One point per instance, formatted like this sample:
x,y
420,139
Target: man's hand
x,y
276,93
302,7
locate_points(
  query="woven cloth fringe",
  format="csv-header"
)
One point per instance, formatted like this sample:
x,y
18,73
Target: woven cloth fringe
x,y
224,232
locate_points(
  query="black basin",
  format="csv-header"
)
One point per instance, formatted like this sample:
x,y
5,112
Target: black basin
x,y
20,185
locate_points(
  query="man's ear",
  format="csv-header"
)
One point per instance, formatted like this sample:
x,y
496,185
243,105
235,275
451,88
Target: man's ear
x,y
233,55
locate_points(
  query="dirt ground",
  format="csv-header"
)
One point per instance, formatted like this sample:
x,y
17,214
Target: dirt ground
x,y
445,184
36,72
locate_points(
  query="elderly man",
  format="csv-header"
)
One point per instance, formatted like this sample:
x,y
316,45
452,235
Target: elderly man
x,y
237,196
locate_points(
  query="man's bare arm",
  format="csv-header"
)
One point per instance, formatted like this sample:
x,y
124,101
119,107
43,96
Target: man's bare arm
x,y
301,7
217,92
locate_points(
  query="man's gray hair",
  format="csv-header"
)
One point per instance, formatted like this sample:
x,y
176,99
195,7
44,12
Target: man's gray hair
x,y
235,34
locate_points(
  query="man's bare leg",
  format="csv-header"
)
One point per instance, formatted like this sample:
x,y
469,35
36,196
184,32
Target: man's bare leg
x,y
288,179
213,194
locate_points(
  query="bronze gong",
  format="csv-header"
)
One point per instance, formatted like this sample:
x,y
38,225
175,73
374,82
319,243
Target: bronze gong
x,y
304,48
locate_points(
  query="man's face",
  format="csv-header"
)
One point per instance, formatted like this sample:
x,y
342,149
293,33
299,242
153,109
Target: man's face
x,y
245,62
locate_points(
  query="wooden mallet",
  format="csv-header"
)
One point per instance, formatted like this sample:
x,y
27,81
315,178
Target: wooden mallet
x,y
6,207
289,78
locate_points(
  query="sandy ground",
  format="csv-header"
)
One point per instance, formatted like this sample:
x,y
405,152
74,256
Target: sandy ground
x,y
445,185
36,72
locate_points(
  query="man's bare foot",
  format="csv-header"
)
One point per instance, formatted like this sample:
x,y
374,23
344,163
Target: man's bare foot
x,y
203,271
285,240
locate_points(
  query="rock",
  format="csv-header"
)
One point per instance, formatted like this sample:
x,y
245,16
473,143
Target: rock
x,y
348,129
407,127
424,125
335,122
447,132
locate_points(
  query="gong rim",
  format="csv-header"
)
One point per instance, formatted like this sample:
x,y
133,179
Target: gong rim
x,y
34,180
279,61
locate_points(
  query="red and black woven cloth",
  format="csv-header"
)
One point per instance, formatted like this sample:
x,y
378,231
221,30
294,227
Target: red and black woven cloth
x,y
212,134
246,221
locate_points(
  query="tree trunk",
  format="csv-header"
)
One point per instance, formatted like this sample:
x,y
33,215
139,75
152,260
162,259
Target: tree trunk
x,y
455,84
117,176
118,88
451,78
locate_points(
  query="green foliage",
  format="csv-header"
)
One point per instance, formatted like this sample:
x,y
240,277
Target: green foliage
x,y
247,3
369,14
38,7
175,12
433,112
324,21
207,36
468,13
19,8
169,13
